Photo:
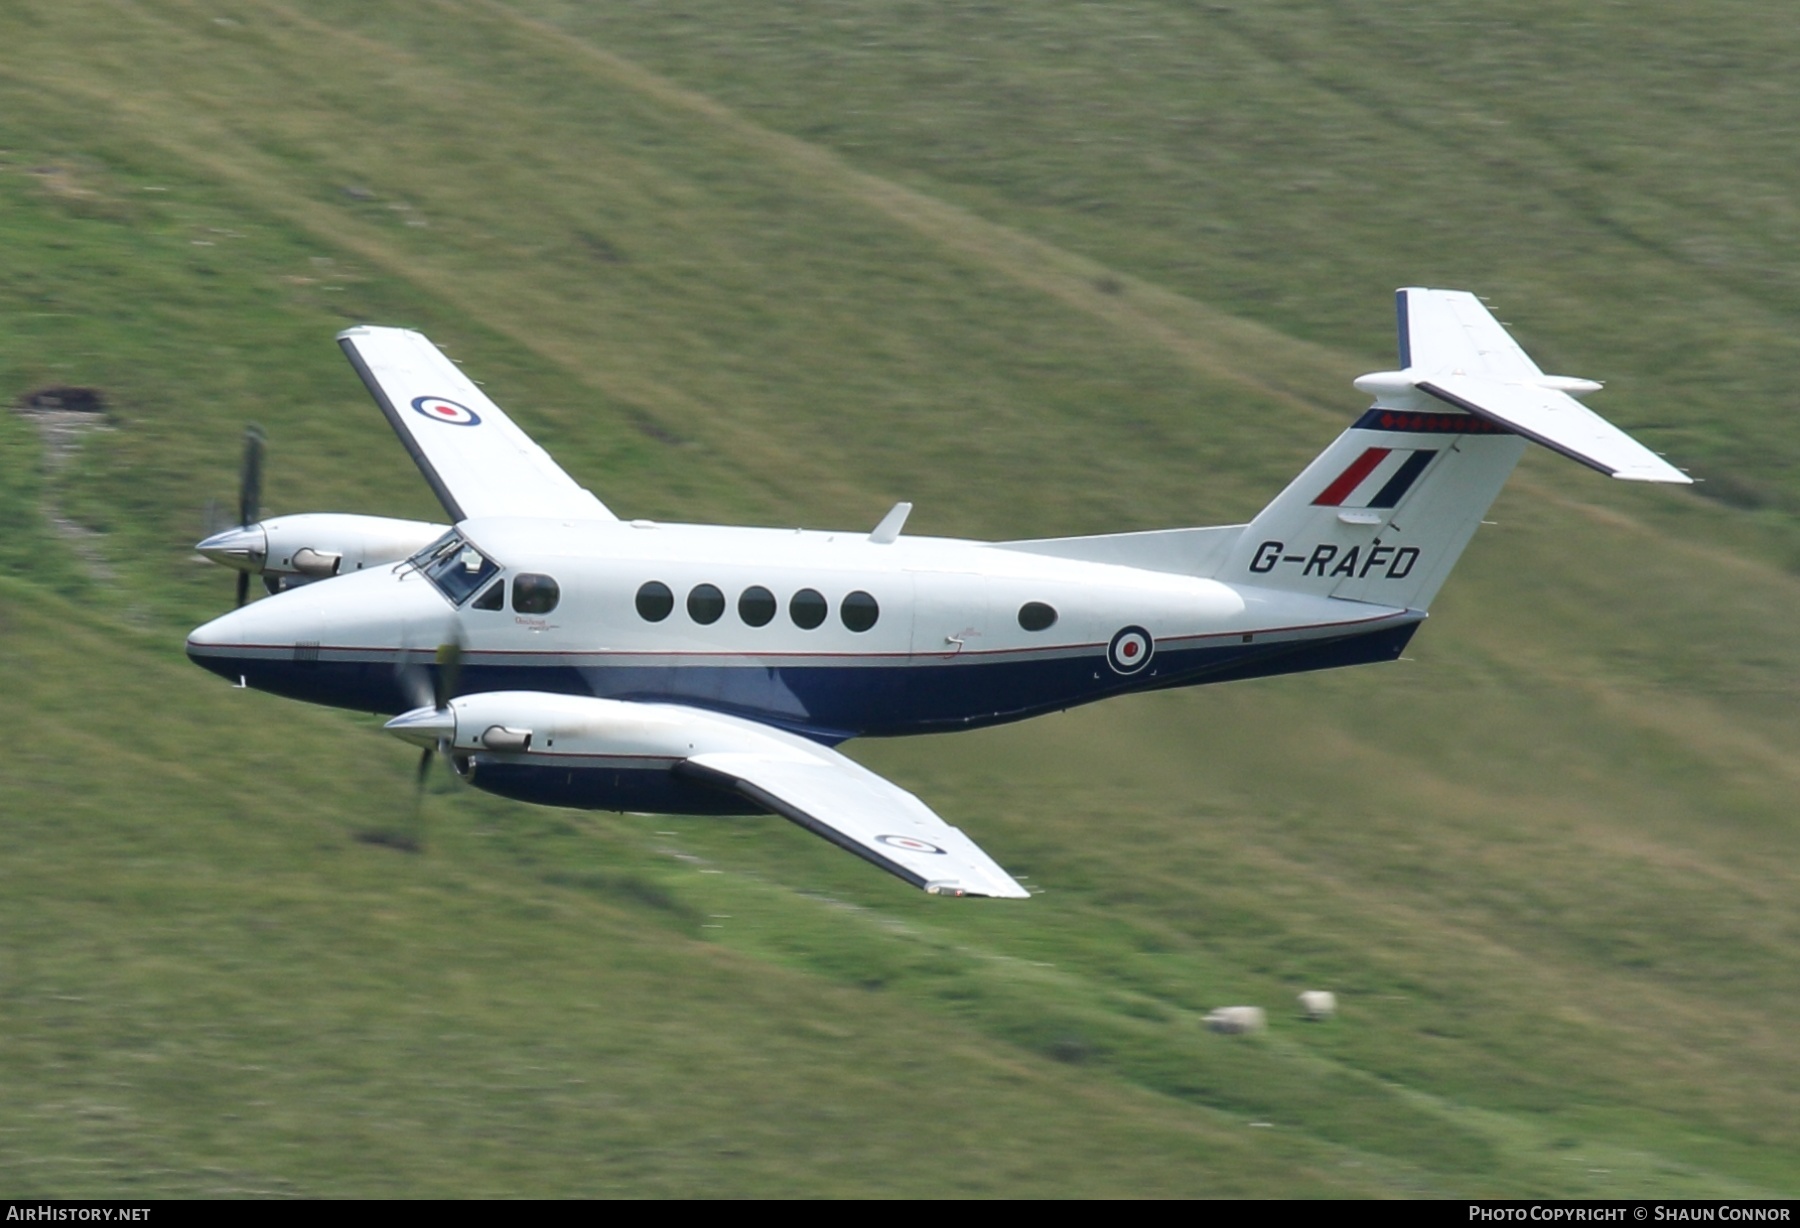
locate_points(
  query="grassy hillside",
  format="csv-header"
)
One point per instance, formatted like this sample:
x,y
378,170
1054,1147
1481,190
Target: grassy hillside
x,y
1058,269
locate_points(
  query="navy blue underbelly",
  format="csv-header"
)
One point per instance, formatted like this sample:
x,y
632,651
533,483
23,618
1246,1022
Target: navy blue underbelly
x,y
832,700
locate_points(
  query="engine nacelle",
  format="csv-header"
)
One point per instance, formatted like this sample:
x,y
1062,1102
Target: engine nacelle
x,y
321,544
317,545
565,727
590,753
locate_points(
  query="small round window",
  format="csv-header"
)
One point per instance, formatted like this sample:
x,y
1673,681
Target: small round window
x,y
808,609
859,611
1036,616
757,606
534,594
654,601
705,604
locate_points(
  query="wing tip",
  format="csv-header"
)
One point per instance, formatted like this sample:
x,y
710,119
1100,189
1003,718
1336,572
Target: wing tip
x,y
956,887
356,331
1670,476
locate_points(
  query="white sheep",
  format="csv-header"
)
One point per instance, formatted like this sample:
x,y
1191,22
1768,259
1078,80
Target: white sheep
x,y
1237,1020
1318,1004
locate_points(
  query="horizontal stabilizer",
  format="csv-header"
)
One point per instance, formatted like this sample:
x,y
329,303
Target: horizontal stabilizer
x,y
1556,420
1453,350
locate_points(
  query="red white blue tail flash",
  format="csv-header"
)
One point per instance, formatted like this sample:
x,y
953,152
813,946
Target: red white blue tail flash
x,y
1379,478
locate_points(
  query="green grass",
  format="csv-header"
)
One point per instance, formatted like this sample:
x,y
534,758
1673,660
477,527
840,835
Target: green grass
x,y
1061,268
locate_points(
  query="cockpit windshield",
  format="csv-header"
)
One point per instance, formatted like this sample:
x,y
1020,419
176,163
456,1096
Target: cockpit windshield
x,y
454,566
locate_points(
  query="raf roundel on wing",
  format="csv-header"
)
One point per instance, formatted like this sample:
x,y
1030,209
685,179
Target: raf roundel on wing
x,y
440,410
911,844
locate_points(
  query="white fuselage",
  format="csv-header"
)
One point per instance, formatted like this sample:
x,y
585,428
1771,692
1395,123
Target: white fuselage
x,y
829,633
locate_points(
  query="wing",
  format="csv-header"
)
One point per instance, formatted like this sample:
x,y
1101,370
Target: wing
x,y
818,788
841,800
477,461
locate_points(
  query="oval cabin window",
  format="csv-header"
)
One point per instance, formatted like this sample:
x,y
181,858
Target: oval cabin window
x,y
705,604
859,611
808,609
757,606
1036,616
654,601
534,594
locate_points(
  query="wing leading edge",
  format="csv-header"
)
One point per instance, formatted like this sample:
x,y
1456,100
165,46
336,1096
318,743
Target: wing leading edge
x,y
476,459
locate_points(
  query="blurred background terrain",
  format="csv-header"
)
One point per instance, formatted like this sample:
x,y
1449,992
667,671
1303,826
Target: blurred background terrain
x,y
1043,269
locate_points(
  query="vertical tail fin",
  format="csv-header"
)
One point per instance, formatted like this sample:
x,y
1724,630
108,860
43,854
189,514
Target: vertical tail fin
x,y
1384,513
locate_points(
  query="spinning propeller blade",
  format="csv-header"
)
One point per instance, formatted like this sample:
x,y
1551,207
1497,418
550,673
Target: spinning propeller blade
x,y
435,690
449,669
250,476
245,546
412,681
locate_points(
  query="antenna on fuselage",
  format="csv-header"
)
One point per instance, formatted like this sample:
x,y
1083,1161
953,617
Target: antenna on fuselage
x,y
891,524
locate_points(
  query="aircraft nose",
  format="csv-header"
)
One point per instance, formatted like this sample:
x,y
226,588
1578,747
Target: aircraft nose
x,y
338,641
277,623
243,548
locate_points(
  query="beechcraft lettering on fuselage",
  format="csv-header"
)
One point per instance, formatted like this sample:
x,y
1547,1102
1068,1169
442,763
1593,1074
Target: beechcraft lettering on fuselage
x,y
557,654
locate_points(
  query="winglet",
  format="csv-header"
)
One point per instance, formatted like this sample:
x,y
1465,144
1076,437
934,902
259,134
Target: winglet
x,y
889,529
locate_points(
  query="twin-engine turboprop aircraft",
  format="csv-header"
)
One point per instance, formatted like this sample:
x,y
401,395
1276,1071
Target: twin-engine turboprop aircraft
x,y
583,660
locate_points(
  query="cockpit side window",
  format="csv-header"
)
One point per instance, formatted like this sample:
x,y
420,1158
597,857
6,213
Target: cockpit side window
x,y
493,599
455,567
